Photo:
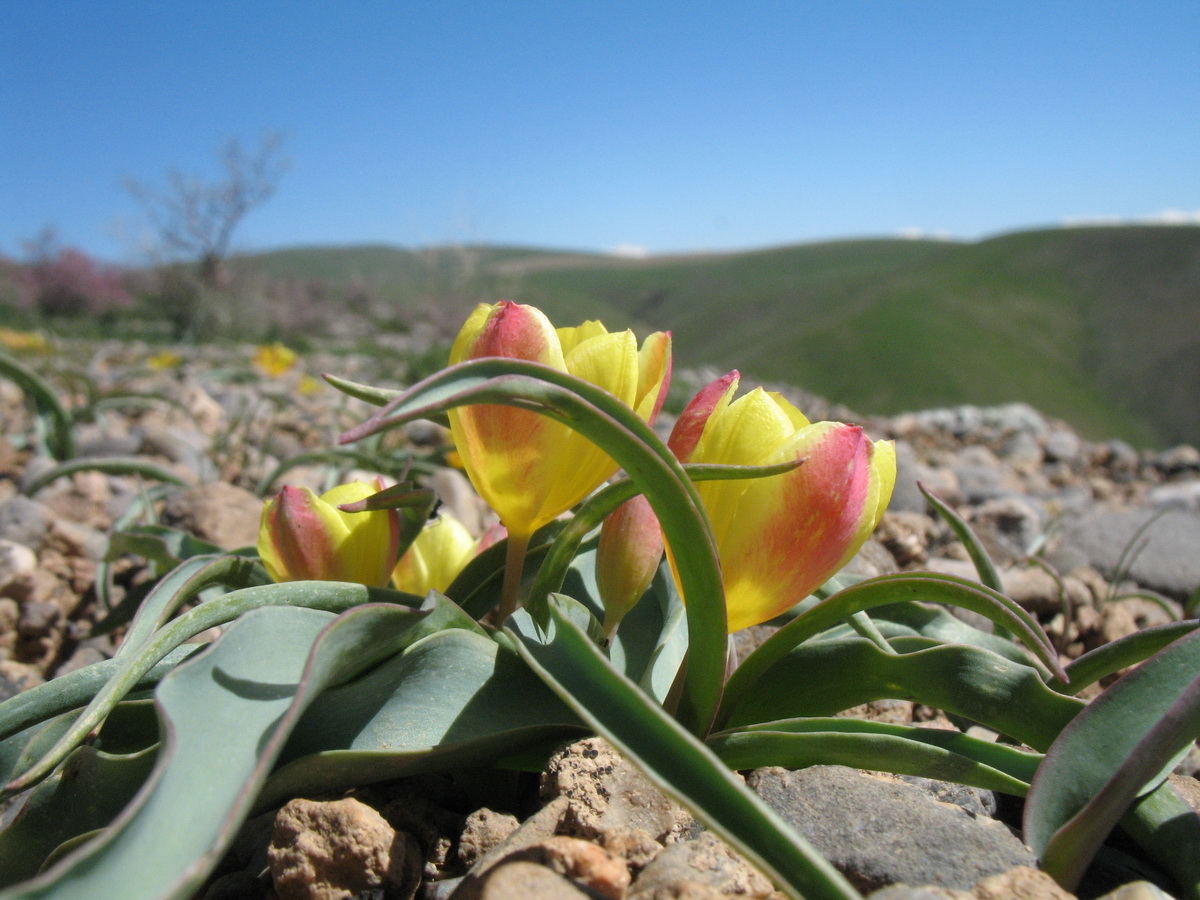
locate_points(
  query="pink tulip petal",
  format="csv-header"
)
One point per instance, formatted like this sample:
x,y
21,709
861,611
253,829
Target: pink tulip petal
x,y
690,424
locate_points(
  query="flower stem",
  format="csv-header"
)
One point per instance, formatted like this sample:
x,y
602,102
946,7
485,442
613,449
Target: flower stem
x,y
514,563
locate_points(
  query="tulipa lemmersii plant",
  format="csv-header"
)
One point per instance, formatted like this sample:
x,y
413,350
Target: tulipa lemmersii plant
x,y
328,679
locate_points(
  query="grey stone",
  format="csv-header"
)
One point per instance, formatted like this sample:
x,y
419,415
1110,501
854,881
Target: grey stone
x,y
1008,527
1061,445
221,513
924,892
879,832
607,793
906,495
705,860
99,442
24,521
977,801
980,475
1182,459
1167,560
1137,890
1022,451
1183,495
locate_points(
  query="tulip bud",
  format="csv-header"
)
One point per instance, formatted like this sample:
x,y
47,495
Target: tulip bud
x,y
303,537
628,555
435,558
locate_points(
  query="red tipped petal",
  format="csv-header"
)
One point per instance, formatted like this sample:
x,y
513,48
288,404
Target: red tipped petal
x,y
690,424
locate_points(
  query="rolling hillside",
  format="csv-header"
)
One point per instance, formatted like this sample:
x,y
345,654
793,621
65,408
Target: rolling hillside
x,y
1098,326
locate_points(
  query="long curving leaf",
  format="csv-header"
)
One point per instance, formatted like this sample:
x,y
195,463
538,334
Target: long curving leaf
x,y
86,794
1121,746
902,749
825,677
395,465
227,715
591,514
975,549
932,621
60,438
673,759
883,591
635,447
454,698
1168,831
72,691
1124,652
179,586
108,465
376,396
326,596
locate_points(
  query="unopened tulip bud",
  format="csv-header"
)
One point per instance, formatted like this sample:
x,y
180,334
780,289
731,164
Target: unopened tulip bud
x,y
628,555
303,537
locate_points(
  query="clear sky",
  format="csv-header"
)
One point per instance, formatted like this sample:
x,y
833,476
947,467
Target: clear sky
x,y
654,124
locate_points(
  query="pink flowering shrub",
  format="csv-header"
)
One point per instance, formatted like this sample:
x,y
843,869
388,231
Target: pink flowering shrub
x,y
68,282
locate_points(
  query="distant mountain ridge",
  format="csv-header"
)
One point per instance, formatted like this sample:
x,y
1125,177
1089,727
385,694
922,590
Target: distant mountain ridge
x,y
1099,326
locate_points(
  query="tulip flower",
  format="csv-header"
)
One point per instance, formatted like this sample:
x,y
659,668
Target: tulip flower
x,y
781,537
529,468
436,557
304,537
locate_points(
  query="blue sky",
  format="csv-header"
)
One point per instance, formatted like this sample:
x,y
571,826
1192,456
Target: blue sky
x,y
666,126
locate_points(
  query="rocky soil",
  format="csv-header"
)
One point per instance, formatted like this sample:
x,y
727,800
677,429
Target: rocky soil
x,y
1095,538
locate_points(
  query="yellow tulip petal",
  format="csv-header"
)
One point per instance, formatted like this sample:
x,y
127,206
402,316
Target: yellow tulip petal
x,y
750,430
795,531
435,558
654,375
571,336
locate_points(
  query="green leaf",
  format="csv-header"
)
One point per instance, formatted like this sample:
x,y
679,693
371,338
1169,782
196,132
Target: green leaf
x,y
454,698
179,586
109,465
903,749
1124,652
1168,831
396,465
85,794
937,622
226,714
979,555
69,692
1122,745
675,760
60,439
882,591
635,447
328,596
825,677
373,395
164,547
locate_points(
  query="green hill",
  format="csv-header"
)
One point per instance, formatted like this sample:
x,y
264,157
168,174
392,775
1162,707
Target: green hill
x,y
1097,326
